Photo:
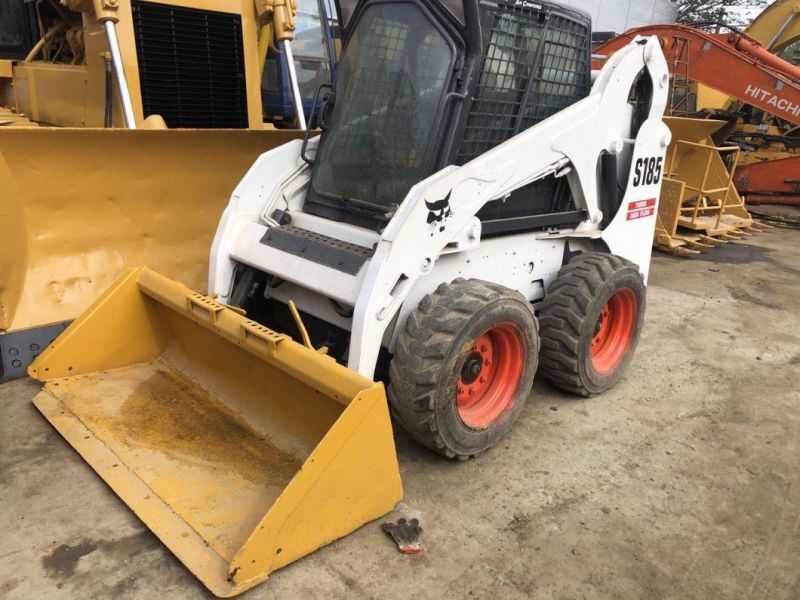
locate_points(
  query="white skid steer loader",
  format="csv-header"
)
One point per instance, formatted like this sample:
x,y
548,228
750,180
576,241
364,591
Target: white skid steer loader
x,y
382,237
469,177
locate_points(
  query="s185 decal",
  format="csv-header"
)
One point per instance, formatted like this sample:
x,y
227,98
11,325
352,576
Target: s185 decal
x,y
647,171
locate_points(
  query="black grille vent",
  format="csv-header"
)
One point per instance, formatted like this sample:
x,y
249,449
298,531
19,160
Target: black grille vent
x,y
191,65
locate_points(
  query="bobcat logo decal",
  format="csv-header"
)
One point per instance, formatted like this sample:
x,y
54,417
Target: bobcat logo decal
x,y
438,213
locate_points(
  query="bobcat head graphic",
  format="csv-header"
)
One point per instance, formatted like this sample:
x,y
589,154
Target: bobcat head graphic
x,y
438,212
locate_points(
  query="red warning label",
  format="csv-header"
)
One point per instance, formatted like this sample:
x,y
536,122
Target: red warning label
x,y
641,214
641,209
640,204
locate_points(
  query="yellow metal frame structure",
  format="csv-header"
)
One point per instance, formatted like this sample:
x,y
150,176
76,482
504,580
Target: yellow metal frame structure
x,y
241,449
699,206
705,208
73,95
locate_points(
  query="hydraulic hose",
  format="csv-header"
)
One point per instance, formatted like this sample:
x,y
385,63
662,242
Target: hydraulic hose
x,y
43,40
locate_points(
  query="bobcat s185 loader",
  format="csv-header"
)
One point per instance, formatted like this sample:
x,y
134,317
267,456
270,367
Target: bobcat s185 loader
x,y
475,208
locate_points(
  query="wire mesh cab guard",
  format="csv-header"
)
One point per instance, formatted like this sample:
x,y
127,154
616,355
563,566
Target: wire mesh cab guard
x,y
532,61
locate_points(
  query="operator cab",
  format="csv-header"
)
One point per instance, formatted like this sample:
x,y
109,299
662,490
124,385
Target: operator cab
x,y
423,84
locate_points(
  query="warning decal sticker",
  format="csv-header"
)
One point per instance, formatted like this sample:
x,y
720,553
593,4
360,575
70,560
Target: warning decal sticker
x,y
641,209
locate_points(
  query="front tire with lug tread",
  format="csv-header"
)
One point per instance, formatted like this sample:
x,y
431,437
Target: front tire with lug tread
x,y
463,367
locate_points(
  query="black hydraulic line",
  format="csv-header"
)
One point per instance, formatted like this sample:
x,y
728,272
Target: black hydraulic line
x,y
109,95
609,196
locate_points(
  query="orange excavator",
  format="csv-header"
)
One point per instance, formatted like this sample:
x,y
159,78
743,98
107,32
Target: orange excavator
x,y
733,63
770,182
737,65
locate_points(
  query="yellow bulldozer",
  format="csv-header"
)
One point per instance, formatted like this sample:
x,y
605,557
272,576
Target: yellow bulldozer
x,y
187,64
124,128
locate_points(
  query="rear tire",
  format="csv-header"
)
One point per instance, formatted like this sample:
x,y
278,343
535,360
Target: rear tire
x,y
463,367
590,320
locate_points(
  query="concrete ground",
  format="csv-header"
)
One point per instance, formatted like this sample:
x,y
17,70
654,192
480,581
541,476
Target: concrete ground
x,y
683,482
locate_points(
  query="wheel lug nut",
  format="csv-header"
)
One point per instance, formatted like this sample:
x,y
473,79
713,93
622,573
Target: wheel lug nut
x,y
484,348
487,362
483,379
471,392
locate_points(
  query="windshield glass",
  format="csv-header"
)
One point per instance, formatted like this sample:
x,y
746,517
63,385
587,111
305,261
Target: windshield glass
x,y
390,85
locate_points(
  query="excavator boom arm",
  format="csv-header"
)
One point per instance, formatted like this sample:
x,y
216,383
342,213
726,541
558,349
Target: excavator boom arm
x,y
731,63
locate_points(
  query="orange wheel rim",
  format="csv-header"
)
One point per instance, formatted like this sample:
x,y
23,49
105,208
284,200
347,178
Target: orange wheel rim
x,y
489,376
614,331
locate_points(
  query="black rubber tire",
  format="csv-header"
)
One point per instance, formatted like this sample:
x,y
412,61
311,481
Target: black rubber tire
x,y
570,312
430,351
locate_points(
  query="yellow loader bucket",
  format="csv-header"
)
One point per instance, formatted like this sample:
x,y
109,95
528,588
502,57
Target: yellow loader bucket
x,y
241,449
699,206
78,206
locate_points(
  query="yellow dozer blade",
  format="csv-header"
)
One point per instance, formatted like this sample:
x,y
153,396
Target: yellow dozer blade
x,y
80,205
699,206
241,449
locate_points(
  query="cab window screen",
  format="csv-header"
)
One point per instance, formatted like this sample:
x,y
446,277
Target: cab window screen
x,y
390,86
505,74
533,68
562,76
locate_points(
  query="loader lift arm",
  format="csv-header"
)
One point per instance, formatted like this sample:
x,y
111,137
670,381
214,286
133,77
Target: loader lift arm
x,y
732,63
